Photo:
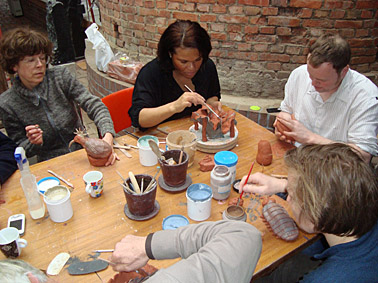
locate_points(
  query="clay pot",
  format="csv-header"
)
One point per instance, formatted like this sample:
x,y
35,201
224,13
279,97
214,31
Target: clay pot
x,y
174,175
141,204
264,153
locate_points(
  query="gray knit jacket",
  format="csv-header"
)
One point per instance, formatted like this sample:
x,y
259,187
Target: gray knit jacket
x,y
61,92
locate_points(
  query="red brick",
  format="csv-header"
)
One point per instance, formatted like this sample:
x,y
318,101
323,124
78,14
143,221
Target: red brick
x,y
208,18
298,59
235,36
260,47
348,24
337,14
226,2
188,7
273,66
274,57
293,50
264,3
284,21
218,36
161,4
234,28
279,3
185,16
173,6
312,4
235,10
283,31
366,42
219,9
252,11
251,29
203,8
362,59
267,30
366,14
370,23
149,4
333,4
369,4
203,1
233,19
321,14
270,11
362,32
244,46
317,23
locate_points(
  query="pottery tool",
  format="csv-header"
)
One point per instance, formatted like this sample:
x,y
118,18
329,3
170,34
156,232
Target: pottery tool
x,y
131,134
141,185
181,153
245,182
130,145
123,179
134,182
152,180
104,251
156,150
61,178
207,105
127,188
108,261
279,176
121,149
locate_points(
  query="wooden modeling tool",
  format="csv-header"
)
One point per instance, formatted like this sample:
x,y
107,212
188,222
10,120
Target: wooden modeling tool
x,y
104,251
245,182
152,181
61,178
134,182
207,105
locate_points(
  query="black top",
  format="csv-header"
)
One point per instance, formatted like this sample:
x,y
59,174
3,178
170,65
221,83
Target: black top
x,y
155,87
7,162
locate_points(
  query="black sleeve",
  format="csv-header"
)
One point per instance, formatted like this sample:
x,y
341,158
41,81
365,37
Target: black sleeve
x,y
7,162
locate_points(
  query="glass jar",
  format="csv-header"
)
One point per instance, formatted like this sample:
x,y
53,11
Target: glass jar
x,y
220,180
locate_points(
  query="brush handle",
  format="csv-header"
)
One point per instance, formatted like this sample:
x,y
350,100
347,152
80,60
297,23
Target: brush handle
x,y
246,180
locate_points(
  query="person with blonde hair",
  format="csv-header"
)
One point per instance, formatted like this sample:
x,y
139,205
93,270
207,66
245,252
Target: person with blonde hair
x,y
332,191
19,271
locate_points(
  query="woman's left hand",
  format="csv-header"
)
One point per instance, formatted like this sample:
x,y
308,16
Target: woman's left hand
x,y
112,157
215,103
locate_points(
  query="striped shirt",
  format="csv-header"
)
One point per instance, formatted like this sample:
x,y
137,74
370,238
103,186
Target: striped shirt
x,y
349,115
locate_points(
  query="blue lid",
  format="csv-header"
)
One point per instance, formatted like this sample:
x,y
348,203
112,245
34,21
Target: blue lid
x,y
199,192
174,221
227,158
46,183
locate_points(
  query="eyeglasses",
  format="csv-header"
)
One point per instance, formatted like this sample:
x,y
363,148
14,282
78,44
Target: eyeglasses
x,y
34,60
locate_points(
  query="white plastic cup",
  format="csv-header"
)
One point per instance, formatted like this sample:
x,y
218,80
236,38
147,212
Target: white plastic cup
x,y
146,156
58,203
10,242
199,201
94,183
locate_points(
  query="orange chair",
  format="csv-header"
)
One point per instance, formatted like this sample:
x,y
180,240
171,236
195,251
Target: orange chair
x,y
119,104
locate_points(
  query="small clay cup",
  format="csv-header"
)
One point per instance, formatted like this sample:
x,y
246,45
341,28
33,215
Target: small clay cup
x,y
174,175
141,204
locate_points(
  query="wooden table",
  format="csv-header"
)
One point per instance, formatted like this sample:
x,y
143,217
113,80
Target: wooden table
x,y
100,223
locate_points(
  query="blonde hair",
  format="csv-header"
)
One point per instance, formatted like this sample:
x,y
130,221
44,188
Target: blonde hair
x,y
335,188
14,270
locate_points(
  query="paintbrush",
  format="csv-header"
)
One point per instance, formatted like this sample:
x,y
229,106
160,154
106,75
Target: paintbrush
x,y
245,182
207,105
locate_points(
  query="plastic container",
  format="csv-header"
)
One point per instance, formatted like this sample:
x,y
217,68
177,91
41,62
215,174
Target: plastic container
x,y
234,212
199,201
146,156
174,221
220,180
185,139
229,159
58,203
46,183
29,185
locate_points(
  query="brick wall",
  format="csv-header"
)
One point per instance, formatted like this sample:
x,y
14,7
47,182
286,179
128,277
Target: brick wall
x,y
256,43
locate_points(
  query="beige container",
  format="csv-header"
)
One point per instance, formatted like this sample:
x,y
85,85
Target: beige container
x,y
177,139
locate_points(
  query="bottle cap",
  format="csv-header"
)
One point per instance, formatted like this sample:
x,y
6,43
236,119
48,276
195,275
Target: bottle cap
x,y
46,183
227,158
174,221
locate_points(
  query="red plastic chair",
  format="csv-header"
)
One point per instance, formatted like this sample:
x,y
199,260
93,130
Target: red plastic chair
x,y
119,104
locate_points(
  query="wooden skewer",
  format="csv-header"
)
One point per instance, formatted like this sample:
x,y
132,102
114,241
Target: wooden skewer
x,y
104,251
61,178
141,185
108,261
127,188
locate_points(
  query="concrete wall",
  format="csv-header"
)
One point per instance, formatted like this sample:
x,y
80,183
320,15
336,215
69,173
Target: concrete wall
x,y
256,43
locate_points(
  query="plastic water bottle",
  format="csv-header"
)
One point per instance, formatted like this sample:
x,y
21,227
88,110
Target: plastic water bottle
x,y
29,185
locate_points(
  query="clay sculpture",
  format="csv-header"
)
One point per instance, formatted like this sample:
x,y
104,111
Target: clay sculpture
x,y
134,276
282,128
234,201
207,163
264,153
212,126
98,150
279,221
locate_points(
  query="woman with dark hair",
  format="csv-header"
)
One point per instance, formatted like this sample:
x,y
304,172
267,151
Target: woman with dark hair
x,y
183,60
40,111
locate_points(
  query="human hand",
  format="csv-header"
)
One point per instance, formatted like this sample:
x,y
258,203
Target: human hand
x,y
34,134
112,157
129,254
215,104
298,132
262,184
187,99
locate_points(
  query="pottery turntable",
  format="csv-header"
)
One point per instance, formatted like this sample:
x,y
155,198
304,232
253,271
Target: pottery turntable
x,y
215,130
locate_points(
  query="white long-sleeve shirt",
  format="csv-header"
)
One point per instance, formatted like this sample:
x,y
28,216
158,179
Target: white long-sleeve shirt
x,y
349,115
